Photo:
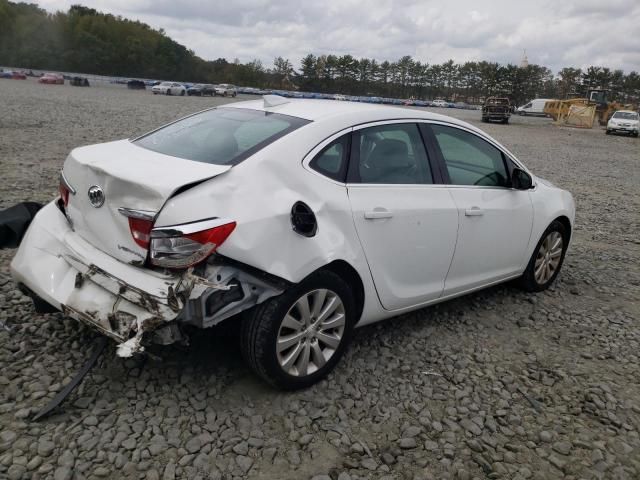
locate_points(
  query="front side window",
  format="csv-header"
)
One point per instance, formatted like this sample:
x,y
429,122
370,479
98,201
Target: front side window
x,y
221,136
469,159
389,154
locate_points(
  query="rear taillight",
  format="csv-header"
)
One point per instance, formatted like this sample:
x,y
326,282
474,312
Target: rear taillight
x,y
182,246
64,194
140,231
65,189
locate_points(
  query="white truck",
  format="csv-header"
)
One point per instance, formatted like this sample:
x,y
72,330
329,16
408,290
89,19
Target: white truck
x,y
534,107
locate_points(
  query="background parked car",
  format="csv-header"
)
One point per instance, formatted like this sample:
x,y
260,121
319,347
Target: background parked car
x,y
624,121
496,108
51,79
169,88
136,85
79,82
439,103
226,90
201,89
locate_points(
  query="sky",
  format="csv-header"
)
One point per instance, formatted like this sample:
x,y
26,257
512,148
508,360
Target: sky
x,y
554,33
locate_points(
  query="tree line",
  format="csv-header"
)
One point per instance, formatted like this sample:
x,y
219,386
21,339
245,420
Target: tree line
x,y
85,40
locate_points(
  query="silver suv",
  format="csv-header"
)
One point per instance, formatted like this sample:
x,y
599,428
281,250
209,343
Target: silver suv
x,y
226,90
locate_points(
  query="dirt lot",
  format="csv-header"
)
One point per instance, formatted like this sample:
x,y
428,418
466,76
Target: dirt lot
x,y
500,384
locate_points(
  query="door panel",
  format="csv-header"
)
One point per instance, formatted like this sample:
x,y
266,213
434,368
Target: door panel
x,y
495,220
495,226
407,226
408,233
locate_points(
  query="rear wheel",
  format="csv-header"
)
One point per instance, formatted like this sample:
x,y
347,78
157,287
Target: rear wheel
x,y
182,93
168,91
547,259
294,340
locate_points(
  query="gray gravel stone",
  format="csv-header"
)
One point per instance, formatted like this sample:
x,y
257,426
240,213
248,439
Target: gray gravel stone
x,y
16,472
407,443
244,463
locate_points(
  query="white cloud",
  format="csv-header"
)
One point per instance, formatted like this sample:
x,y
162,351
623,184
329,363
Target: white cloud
x,y
556,34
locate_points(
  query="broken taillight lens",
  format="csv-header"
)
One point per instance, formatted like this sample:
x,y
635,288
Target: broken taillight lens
x,y
64,194
183,246
140,231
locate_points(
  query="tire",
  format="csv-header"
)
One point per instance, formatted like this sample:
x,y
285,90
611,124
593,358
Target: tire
x,y
529,281
263,326
607,132
168,91
182,93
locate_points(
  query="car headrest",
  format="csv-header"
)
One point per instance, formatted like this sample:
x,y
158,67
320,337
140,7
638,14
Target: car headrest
x,y
389,154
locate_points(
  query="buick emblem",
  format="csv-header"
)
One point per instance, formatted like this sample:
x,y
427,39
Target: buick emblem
x,y
96,196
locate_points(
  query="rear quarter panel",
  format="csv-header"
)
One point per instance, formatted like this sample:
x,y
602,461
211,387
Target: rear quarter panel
x,y
258,194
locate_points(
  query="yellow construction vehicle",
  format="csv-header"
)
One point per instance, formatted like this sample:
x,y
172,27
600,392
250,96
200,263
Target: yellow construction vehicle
x,y
581,112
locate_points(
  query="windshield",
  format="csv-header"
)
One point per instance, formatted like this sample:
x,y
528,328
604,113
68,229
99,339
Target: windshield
x,y
221,136
625,116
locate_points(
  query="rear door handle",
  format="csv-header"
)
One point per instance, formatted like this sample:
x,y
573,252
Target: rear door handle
x,y
474,212
378,213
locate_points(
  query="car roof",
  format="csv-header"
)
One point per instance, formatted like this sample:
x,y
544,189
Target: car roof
x,y
624,111
330,110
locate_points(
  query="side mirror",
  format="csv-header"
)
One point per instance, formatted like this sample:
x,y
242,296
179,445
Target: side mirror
x,y
521,180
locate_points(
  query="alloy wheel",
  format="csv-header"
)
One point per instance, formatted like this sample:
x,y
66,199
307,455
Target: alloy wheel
x,y
310,332
548,258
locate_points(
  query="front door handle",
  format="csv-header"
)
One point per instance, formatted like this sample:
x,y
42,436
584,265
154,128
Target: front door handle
x,y
378,213
474,212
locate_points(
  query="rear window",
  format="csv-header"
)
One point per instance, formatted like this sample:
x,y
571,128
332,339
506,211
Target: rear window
x,y
221,136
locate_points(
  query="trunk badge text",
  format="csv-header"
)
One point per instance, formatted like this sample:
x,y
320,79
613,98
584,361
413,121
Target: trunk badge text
x,y
96,196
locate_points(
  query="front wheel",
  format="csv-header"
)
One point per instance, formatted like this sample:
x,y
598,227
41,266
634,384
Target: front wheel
x,y
607,132
546,261
168,92
295,339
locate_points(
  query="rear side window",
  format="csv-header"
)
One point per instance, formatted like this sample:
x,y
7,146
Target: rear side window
x,y
389,154
332,160
221,136
470,160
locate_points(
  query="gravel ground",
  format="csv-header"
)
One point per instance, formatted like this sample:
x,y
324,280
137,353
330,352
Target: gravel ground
x,y
499,384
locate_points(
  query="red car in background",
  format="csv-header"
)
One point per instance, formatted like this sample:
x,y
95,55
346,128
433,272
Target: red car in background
x,y
52,79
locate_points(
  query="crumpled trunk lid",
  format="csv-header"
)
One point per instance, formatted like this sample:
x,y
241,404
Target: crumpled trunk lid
x,y
129,177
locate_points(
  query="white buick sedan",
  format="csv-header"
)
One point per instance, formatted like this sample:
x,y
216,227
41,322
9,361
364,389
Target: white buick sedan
x,y
299,219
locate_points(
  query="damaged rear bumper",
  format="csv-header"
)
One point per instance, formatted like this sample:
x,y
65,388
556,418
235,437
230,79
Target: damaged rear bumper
x,y
61,268
57,266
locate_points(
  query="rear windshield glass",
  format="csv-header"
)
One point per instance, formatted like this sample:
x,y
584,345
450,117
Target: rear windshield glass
x,y
221,136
